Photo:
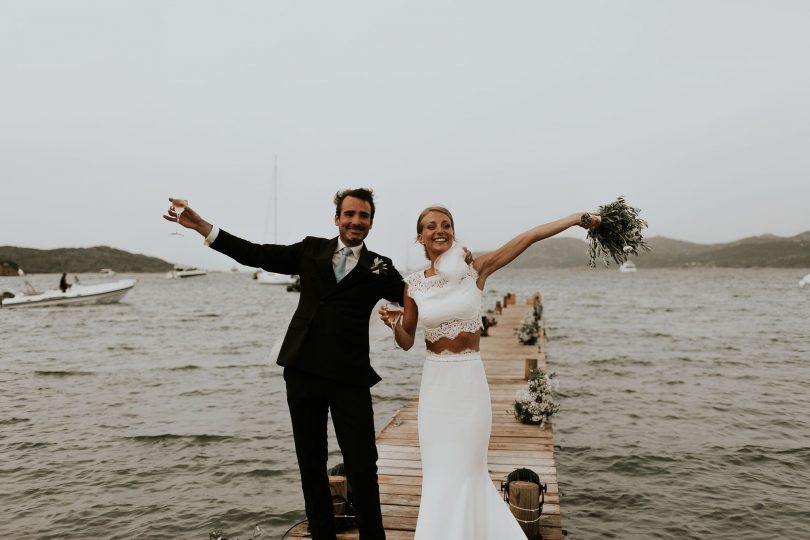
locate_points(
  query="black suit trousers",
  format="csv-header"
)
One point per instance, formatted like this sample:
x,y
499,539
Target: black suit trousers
x,y
310,398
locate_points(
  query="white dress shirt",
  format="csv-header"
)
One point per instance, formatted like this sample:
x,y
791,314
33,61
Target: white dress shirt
x,y
212,236
351,258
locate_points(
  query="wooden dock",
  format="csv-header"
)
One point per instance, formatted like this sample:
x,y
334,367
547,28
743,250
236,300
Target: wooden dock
x,y
512,444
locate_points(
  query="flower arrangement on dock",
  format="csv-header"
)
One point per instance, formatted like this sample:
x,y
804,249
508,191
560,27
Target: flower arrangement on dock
x,y
618,235
535,405
529,331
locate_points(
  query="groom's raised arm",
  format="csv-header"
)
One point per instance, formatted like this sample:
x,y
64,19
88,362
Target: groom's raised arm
x,y
270,257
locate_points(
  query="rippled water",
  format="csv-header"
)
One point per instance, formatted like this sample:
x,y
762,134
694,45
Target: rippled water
x,y
684,399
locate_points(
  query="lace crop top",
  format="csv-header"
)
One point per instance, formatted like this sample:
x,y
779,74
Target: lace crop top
x,y
446,307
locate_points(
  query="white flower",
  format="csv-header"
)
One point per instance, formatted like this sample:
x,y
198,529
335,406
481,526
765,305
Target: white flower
x,y
378,266
529,331
536,404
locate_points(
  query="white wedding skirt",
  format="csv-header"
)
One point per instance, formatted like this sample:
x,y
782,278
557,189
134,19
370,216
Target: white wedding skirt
x,y
459,500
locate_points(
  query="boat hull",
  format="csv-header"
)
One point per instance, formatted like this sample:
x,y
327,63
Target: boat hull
x,y
104,293
270,278
182,273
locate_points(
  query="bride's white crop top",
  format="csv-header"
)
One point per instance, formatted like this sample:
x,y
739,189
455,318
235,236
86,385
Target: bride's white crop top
x,y
446,307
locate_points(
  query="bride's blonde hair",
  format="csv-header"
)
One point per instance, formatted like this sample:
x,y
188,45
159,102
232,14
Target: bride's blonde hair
x,y
425,212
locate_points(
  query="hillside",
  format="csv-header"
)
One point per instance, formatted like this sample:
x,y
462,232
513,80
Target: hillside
x,y
757,251
76,260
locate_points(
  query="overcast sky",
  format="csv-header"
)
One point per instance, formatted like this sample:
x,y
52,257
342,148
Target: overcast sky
x,y
509,113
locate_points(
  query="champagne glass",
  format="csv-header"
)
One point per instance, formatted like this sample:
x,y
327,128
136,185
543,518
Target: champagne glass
x,y
178,205
394,312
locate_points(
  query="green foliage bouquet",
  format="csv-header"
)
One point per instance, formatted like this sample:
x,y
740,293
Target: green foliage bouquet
x,y
534,405
618,235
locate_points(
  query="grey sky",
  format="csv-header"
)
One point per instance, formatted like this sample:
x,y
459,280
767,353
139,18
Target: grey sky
x,y
509,113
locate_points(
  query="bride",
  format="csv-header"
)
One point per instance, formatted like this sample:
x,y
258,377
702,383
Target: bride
x,y
458,500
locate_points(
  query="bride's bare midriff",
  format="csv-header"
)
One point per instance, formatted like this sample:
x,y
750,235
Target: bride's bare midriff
x,y
464,342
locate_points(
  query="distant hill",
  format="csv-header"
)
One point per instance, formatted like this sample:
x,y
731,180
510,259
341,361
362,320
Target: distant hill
x,y
757,251
75,260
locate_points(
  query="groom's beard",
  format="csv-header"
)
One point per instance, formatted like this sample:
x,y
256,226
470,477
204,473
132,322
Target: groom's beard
x,y
354,236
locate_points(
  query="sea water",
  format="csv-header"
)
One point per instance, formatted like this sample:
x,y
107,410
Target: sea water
x,y
683,406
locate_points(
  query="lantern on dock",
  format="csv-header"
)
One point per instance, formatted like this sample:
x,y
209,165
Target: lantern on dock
x,y
525,495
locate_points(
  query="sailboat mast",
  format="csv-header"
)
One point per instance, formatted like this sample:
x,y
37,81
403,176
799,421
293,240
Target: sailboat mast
x,y
275,200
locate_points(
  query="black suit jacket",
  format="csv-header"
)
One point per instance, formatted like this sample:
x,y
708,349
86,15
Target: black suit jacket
x,y
328,334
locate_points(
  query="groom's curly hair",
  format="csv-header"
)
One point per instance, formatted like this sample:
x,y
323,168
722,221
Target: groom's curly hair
x,y
358,193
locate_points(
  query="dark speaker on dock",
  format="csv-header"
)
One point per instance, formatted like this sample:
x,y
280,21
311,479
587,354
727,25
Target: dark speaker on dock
x,y
525,494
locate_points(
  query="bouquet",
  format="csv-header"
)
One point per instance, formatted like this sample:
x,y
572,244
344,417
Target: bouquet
x,y
536,404
618,235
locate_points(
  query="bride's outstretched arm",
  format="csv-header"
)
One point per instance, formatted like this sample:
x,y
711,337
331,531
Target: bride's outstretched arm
x,y
488,263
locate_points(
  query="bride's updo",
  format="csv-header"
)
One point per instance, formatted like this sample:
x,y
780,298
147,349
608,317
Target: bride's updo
x,y
425,212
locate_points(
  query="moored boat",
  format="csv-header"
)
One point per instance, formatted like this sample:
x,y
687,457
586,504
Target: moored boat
x,y
271,278
101,293
627,266
184,272
805,281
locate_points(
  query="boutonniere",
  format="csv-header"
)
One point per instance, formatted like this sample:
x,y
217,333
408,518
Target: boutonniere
x,y
378,266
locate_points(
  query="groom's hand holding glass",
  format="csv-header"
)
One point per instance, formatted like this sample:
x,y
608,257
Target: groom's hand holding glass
x,y
188,218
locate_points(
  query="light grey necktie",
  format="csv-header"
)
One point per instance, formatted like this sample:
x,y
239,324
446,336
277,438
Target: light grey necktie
x,y
340,269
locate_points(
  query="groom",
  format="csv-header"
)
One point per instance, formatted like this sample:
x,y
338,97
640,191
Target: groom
x,y
325,352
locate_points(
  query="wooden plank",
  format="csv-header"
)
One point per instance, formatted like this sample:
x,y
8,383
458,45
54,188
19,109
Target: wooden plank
x,y
512,445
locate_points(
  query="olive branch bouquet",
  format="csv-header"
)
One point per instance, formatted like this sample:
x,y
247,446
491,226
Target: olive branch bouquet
x,y
618,235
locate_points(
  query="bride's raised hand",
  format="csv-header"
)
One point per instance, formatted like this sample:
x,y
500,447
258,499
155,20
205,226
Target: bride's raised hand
x,y
590,221
468,256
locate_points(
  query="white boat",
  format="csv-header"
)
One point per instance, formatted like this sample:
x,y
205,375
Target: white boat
x,y
107,272
184,272
627,266
101,293
270,278
805,281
